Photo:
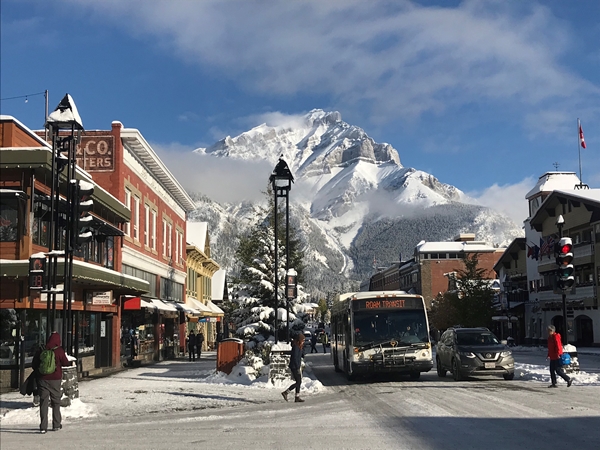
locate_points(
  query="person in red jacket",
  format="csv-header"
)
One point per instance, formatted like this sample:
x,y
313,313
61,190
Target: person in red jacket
x,y
555,349
49,386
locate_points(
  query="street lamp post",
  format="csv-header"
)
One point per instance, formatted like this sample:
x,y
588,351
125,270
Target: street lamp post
x,y
560,222
281,181
65,127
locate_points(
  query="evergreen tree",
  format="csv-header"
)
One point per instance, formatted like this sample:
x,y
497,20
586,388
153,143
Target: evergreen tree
x,y
470,304
253,311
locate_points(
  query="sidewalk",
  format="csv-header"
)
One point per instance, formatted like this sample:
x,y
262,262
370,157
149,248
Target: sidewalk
x,y
163,387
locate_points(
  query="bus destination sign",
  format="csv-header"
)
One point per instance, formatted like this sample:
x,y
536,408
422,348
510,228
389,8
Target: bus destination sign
x,y
386,303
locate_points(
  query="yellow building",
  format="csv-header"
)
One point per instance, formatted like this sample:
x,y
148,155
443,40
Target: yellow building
x,y
200,270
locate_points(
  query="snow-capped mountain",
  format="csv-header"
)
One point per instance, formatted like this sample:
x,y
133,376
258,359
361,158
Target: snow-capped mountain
x,y
346,183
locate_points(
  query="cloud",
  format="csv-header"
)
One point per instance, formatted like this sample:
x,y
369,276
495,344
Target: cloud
x,y
396,59
223,180
508,199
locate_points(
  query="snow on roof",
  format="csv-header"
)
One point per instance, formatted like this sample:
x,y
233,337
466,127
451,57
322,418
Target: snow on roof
x,y
218,284
583,194
5,118
135,142
470,246
552,181
196,234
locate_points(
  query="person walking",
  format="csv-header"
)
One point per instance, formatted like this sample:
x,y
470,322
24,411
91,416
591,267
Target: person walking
x,y
295,365
191,341
324,341
48,364
555,349
199,342
313,343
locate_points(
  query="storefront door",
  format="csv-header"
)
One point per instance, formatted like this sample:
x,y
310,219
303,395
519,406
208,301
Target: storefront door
x,y
104,341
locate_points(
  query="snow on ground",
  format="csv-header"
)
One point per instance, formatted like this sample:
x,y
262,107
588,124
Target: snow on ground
x,y
166,386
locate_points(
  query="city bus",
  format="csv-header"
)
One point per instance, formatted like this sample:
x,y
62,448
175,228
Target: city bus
x,y
380,332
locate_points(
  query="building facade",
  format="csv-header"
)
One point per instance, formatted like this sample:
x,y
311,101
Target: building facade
x,y
98,287
426,273
511,271
580,209
201,270
122,161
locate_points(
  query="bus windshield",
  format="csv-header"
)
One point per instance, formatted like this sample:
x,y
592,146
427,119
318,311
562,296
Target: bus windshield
x,y
404,326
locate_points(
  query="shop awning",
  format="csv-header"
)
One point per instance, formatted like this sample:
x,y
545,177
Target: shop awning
x,y
148,305
214,308
162,305
183,307
198,305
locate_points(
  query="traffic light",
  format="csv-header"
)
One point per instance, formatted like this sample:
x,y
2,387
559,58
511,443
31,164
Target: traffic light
x,y
564,258
83,206
37,271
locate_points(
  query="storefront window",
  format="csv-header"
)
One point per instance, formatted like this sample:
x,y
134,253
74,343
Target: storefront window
x,y
9,220
8,336
87,332
34,332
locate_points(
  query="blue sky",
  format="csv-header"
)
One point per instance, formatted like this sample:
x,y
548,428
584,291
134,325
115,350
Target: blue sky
x,y
484,95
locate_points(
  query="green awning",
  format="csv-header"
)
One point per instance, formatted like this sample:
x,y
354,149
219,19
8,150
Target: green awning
x,y
83,273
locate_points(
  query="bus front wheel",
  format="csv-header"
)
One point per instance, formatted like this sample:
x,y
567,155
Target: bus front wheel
x,y
336,364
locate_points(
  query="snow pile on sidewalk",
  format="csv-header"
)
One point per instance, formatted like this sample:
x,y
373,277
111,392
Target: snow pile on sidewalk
x,y
532,372
160,388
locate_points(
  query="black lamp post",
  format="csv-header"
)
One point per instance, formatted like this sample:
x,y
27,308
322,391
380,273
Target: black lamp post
x,y
65,127
560,222
281,181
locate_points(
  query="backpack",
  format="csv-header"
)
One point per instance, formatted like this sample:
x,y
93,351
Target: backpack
x,y
565,359
47,361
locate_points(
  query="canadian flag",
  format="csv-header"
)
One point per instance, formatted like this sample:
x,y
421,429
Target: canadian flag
x,y
581,140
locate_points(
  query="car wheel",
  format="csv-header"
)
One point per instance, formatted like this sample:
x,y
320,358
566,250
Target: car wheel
x,y
456,370
440,369
509,376
415,375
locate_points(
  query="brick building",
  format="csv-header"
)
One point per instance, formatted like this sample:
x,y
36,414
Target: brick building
x,y
154,242
426,273
98,284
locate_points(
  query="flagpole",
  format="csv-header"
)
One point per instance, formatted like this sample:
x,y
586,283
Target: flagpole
x,y
579,150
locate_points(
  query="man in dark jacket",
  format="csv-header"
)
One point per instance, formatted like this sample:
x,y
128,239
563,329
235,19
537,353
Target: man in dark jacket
x,y
313,343
49,385
295,365
192,346
555,349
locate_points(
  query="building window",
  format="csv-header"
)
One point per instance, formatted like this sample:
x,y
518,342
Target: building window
x,y
164,242
9,220
169,241
136,223
127,230
153,235
147,225
176,256
181,248
87,332
170,290
142,274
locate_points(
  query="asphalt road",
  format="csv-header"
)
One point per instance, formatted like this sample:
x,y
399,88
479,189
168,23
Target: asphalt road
x,y
430,413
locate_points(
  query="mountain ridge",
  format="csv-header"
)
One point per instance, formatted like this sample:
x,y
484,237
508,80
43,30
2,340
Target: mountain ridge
x,y
347,187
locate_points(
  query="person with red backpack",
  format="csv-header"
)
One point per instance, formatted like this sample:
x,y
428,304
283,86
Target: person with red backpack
x,y
555,349
48,363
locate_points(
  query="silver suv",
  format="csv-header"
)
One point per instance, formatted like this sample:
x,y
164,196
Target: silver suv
x,y
473,352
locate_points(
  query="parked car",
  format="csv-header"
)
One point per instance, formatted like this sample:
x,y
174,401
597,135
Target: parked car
x,y
307,336
473,352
